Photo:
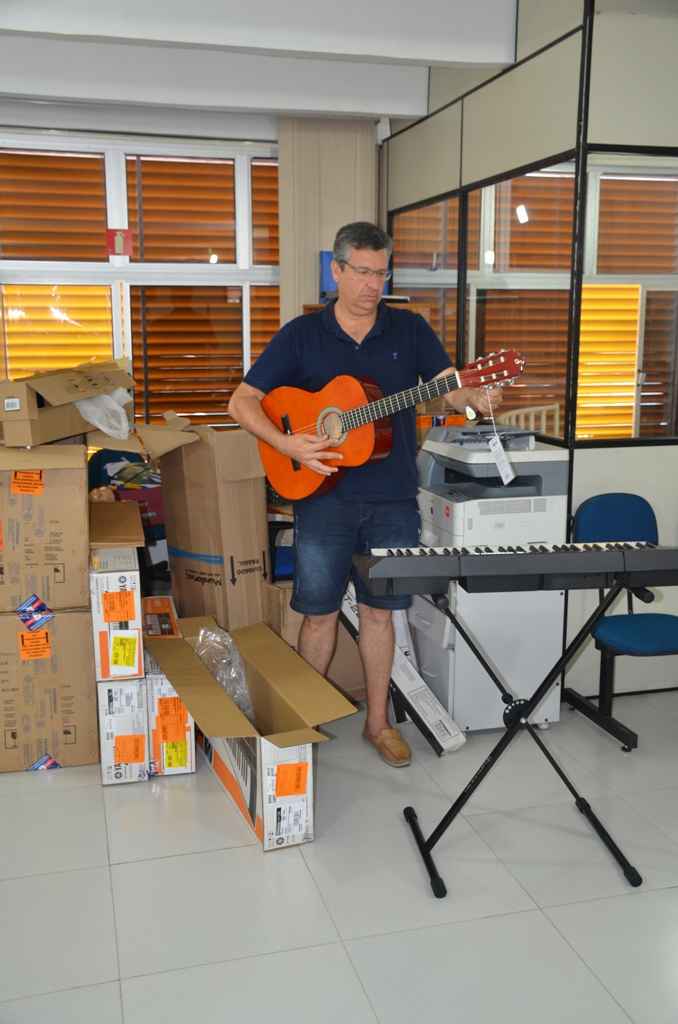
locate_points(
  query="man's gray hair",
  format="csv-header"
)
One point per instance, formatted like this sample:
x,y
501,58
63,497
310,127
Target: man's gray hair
x,y
360,235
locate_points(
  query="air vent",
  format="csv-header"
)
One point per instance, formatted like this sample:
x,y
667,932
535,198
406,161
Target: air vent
x,y
504,508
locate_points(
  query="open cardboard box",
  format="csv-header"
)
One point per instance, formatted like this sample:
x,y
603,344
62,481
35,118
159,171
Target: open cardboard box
x,y
147,439
214,498
268,768
41,408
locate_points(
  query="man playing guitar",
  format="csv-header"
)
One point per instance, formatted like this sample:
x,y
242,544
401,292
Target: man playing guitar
x,y
373,505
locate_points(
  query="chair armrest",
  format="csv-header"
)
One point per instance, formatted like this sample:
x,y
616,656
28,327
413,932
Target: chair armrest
x,y
643,594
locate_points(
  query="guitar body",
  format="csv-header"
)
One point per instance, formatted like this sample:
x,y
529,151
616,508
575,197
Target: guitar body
x,y
296,411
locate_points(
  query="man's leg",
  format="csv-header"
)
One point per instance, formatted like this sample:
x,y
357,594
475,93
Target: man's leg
x,y
376,644
317,640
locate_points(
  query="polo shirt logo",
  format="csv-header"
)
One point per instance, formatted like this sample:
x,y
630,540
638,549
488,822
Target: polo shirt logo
x,y
395,355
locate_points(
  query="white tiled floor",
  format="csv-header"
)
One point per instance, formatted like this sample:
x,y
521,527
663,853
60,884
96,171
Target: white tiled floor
x,y
148,903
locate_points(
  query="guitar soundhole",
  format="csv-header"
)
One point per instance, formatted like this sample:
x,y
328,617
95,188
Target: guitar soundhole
x,y
329,424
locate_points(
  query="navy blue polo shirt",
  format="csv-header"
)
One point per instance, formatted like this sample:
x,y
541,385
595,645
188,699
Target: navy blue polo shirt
x,y
401,349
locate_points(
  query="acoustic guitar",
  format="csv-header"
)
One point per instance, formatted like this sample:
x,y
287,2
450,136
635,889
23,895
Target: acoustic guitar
x,y
354,416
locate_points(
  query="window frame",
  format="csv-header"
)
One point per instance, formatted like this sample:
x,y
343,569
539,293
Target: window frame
x,y
119,272
599,164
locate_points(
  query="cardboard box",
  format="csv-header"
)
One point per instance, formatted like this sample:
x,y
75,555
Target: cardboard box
x,y
160,617
115,589
267,768
37,409
147,439
115,524
171,730
346,668
123,732
43,526
217,535
47,694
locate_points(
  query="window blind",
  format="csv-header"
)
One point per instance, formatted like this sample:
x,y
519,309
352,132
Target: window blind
x,y
50,327
535,323
638,226
181,210
187,351
608,354
52,206
265,232
659,391
264,317
533,222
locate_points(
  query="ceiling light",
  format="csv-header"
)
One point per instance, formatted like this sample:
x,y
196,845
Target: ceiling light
x,y
489,257
214,258
521,214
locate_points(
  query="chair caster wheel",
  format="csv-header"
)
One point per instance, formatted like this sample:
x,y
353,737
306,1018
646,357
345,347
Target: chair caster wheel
x,y
627,750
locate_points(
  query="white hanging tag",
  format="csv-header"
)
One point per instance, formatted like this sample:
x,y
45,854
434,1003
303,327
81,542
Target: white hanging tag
x,y
506,470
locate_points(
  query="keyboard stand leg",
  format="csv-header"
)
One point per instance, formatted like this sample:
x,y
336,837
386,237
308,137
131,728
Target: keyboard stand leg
x,y
516,717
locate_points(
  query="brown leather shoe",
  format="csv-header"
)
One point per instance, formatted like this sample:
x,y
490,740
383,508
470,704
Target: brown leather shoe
x,y
391,746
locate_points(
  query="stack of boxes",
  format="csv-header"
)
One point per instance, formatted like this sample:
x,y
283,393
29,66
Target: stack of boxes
x,y
115,590
144,728
47,697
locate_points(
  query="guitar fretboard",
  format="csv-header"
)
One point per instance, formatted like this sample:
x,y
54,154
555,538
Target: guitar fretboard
x,y
391,404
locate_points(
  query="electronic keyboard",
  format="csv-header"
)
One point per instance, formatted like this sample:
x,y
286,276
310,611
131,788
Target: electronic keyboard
x,y
484,569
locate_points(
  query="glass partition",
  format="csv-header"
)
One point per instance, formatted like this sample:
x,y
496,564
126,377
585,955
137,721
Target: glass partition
x,y
629,332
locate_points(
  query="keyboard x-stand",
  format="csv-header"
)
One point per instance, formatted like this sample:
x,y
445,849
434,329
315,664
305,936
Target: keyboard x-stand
x,y
614,567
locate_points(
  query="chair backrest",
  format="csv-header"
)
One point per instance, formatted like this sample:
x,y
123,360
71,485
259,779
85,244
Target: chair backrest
x,y
615,516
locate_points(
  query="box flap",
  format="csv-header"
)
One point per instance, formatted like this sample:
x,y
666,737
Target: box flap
x,y
58,387
154,441
301,687
115,524
52,456
297,737
210,706
236,453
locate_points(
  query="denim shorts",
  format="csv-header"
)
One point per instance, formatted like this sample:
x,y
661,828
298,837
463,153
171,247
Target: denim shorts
x,y
328,532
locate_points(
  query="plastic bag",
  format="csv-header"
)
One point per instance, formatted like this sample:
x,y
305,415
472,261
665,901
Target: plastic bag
x,y
106,413
218,652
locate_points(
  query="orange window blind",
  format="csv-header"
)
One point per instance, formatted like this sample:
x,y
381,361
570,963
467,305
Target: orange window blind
x,y
52,206
181,210
533,222
638,226
187,351
264,317
608,361
419,237
265,233
535,323
659,392
49,327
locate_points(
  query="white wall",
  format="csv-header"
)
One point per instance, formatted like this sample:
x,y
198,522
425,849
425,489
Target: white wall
x,y
437,31
653,473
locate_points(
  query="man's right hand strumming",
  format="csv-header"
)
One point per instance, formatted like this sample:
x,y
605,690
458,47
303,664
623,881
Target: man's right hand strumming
x,y
309,450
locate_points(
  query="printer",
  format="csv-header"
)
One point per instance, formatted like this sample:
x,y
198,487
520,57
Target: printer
x,y
463,503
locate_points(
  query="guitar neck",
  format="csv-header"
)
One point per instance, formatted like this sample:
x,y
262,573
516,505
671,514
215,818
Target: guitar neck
x,y
391,404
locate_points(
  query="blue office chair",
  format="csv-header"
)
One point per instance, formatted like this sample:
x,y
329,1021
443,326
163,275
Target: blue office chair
x,y
621,517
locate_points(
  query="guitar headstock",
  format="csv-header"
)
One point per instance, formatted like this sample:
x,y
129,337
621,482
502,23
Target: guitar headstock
x,y
493,370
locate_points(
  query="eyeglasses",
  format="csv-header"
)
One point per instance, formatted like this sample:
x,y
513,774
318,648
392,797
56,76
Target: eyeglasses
x,y
381,275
